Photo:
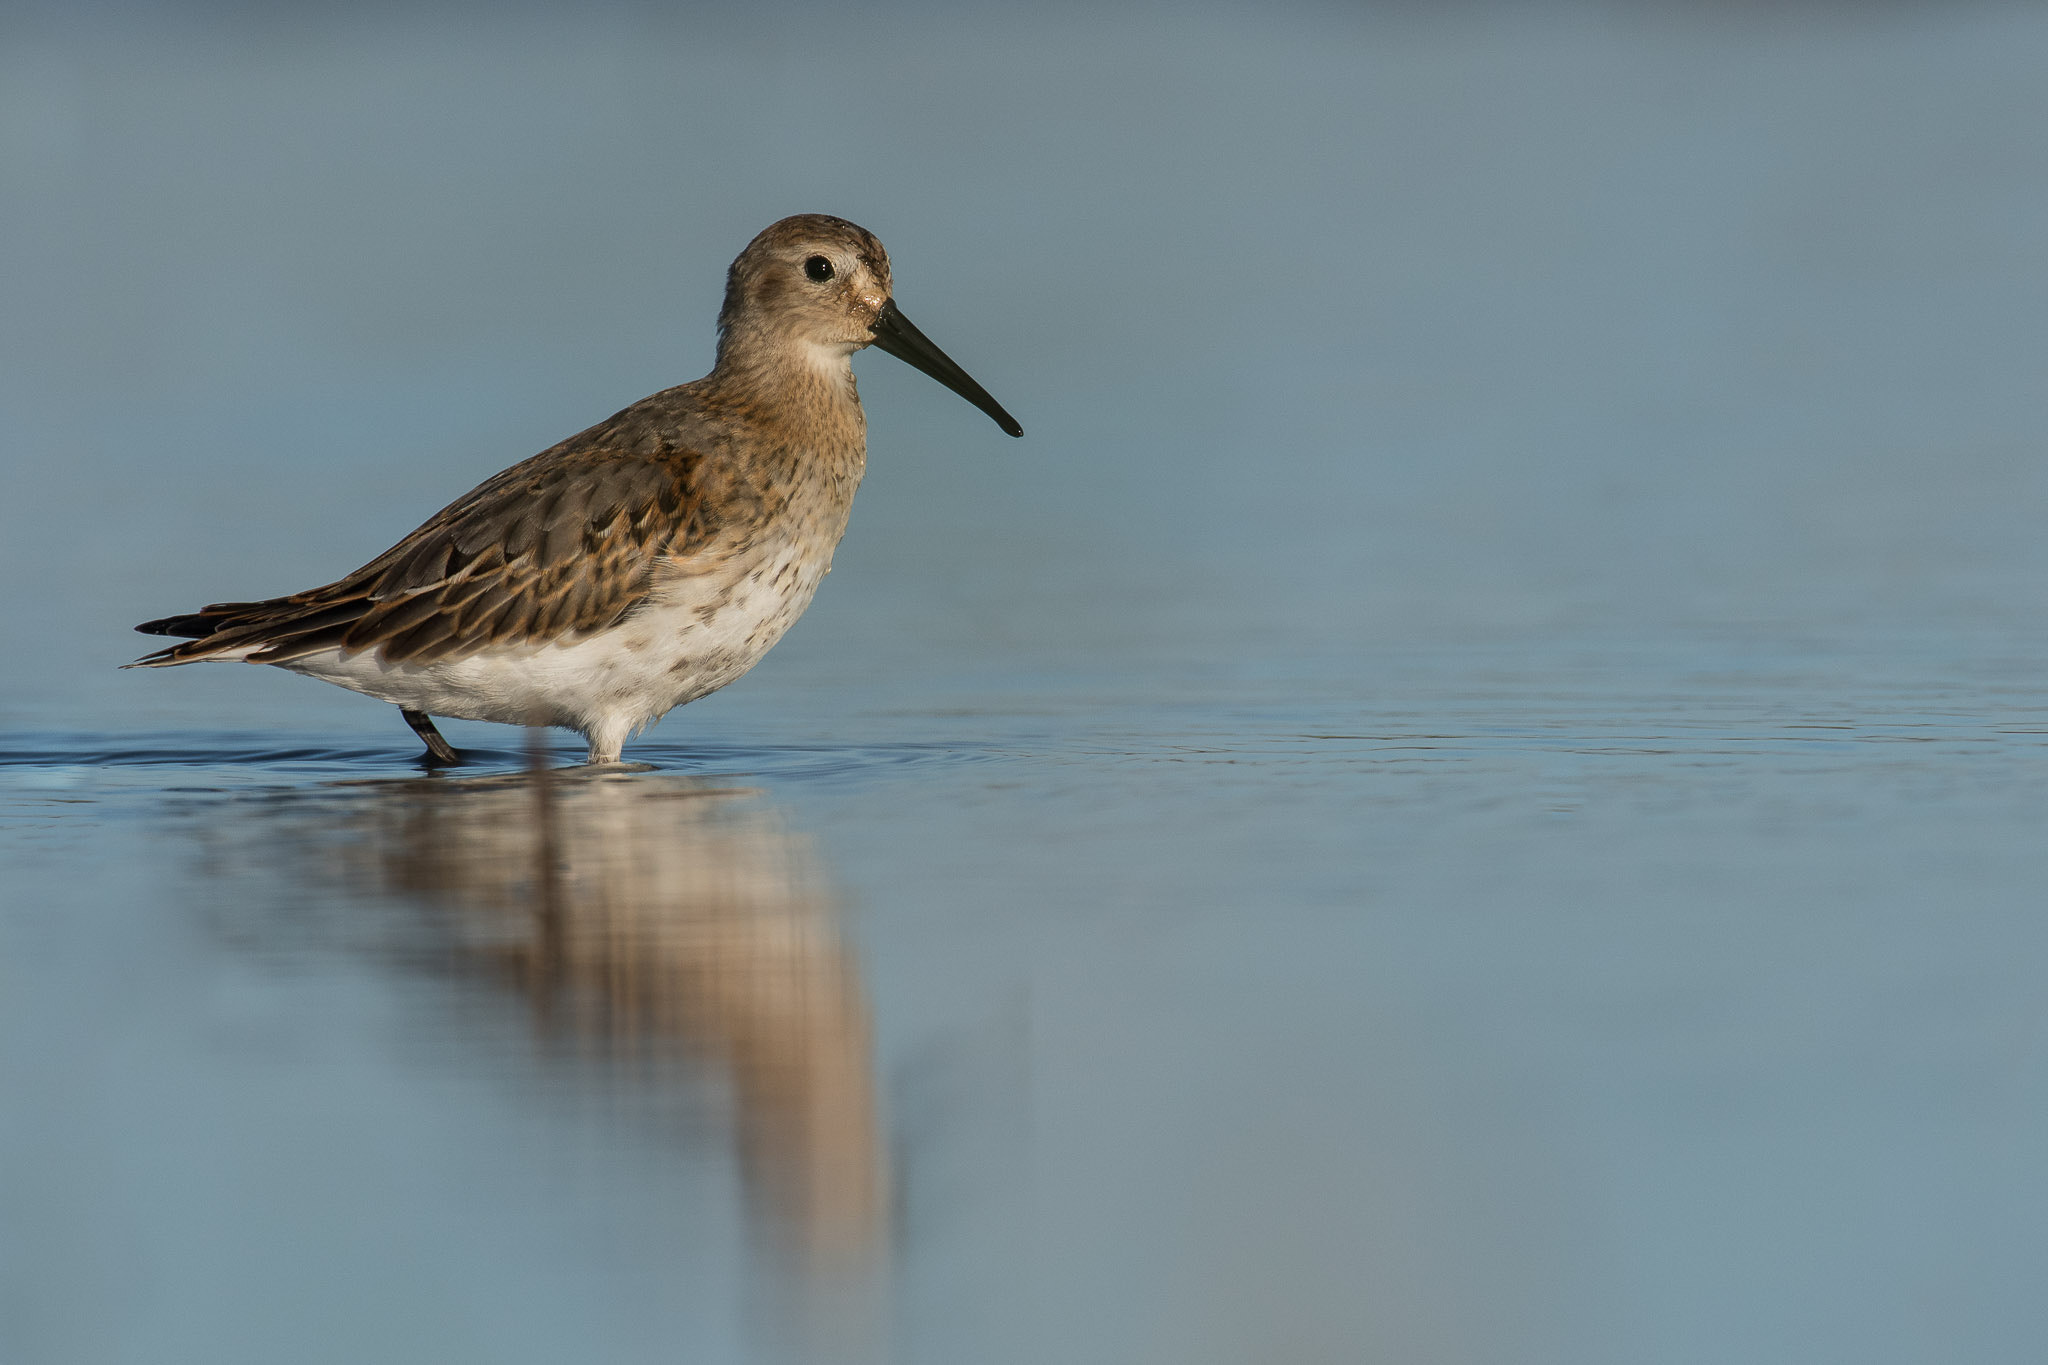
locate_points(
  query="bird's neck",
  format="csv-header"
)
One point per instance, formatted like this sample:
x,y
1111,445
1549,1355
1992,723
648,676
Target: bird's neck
x,y
798,385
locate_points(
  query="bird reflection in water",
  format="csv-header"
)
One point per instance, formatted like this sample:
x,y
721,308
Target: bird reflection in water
x,y
643,915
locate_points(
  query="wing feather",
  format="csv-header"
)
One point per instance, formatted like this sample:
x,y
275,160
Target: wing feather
x,y
560,546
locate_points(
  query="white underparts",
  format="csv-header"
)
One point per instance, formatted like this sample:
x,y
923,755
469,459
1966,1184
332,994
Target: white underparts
x,y
699,632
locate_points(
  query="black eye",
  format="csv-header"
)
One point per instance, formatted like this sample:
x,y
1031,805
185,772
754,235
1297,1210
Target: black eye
x,y
818,268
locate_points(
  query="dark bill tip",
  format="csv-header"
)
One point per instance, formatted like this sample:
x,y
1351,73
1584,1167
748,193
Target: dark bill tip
x,y
895,334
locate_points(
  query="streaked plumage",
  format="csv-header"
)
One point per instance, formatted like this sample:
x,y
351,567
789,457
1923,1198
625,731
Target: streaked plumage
x,y
640,564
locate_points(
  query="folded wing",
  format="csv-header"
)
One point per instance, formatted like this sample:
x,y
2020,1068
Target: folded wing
x,y
558,547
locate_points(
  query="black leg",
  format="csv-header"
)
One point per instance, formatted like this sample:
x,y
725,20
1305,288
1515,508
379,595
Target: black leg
x,y
439,750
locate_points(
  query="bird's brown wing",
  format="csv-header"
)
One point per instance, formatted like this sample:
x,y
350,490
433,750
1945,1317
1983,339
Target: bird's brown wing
x,y
560,546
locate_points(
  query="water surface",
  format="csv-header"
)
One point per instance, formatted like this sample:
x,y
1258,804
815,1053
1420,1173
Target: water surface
x,y
1609,1001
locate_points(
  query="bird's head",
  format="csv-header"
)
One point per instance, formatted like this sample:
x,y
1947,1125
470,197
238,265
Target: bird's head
x,y
817,288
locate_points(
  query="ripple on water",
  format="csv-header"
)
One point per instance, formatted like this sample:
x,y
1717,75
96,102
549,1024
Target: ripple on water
x,y
210,762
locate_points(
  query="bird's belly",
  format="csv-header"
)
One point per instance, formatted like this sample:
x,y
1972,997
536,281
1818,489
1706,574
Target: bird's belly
x,y
698,633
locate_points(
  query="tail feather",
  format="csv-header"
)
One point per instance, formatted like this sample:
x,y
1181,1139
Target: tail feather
x,y
276,631
197,623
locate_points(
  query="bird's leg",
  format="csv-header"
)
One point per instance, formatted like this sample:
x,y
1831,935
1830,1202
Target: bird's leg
x,y
439,751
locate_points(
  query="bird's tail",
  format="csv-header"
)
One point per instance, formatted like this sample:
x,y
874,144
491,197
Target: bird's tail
x,y
275,631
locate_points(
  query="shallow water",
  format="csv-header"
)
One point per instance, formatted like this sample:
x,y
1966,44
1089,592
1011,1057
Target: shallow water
x,y
1471,791
1580,1001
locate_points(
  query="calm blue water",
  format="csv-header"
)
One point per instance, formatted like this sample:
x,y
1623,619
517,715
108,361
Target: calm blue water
x,y
1472,791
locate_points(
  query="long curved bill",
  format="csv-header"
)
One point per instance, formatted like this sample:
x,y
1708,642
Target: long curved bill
x,y
895,334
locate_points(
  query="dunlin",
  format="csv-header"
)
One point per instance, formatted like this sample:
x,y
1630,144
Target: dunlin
x,y
640,564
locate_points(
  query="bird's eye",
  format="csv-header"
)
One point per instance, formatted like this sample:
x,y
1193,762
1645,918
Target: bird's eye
x,y
818,268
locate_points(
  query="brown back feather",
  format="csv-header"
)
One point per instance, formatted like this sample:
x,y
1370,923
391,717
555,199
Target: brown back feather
x,y
559,546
